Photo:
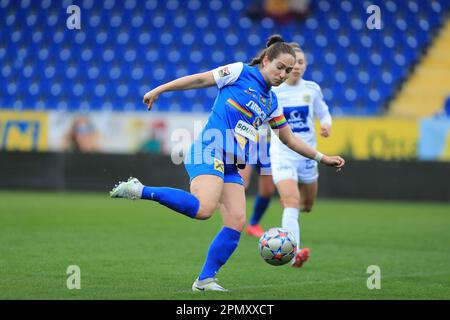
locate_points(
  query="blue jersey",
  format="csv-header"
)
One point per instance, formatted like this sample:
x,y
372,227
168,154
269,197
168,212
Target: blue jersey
x,y
243,104
230,136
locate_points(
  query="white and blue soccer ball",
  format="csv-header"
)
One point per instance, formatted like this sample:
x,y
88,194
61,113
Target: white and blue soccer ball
x,y
277,246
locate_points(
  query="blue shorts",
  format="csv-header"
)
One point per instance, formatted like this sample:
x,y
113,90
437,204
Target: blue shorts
x,y
201,160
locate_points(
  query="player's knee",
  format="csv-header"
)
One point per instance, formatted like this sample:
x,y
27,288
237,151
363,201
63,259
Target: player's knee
x,y
237,222
290,201
205,211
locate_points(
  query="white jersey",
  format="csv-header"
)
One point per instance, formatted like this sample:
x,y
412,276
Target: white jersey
x,y
300,103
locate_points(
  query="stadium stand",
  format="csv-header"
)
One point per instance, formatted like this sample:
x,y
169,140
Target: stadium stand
x,y
126,47
425,92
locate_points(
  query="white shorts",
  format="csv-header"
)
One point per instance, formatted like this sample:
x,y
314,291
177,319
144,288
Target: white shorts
x,y
302,170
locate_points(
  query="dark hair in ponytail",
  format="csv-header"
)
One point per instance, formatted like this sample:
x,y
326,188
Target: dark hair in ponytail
x,y
274,47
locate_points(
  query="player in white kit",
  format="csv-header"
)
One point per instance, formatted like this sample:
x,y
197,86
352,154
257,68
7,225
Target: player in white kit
x,y
295,176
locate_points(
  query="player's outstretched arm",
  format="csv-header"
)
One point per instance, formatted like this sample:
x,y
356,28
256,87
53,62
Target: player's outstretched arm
x,y
195,81
301,147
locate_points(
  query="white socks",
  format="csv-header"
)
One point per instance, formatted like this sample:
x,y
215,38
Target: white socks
x,y
291,223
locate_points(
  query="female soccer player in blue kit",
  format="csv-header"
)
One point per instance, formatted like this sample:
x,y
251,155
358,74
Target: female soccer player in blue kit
x,y
243,103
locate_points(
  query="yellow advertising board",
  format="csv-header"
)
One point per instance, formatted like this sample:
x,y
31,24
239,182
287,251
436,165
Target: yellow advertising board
x,y
371,138
23,131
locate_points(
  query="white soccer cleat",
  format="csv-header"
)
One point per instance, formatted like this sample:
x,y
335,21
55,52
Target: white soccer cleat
x,y
209,284
132,189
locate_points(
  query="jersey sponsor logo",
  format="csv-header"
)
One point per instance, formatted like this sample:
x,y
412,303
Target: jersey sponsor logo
x,y
218,165
246,130
252,105
297,117
224,72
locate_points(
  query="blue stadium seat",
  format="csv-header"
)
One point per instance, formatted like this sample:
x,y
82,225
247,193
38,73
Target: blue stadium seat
x,y
126,47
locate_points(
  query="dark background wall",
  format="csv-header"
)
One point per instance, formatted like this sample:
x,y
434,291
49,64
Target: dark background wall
x,y
99,172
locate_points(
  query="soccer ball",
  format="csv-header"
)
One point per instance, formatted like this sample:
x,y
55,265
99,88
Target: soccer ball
x,y
277,246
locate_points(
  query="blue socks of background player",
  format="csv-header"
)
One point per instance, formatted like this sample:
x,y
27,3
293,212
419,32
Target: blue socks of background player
x,y
175,199
259,208
221,248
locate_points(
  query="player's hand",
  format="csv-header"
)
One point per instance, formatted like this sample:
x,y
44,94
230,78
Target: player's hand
x,y
150,98
325,130
333,161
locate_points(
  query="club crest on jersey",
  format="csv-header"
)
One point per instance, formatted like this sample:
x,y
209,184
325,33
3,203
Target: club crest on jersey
x,y
224,72
218,165
307,98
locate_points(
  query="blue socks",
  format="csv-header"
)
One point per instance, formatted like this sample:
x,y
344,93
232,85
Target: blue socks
x,y
175,199
259,207
221,248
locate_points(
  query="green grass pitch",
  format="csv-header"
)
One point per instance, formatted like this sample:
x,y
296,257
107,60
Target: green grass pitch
x,y
141,250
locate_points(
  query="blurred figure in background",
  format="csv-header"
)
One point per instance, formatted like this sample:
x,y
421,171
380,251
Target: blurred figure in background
x,y
282,11
82,136
155,142
294,175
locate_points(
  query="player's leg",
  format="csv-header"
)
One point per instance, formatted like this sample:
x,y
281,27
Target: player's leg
x,y
307,174
290,200
232,206
206,171
308,194
265,186
208,189
246,175
266,189
232,210
199,204
285,177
